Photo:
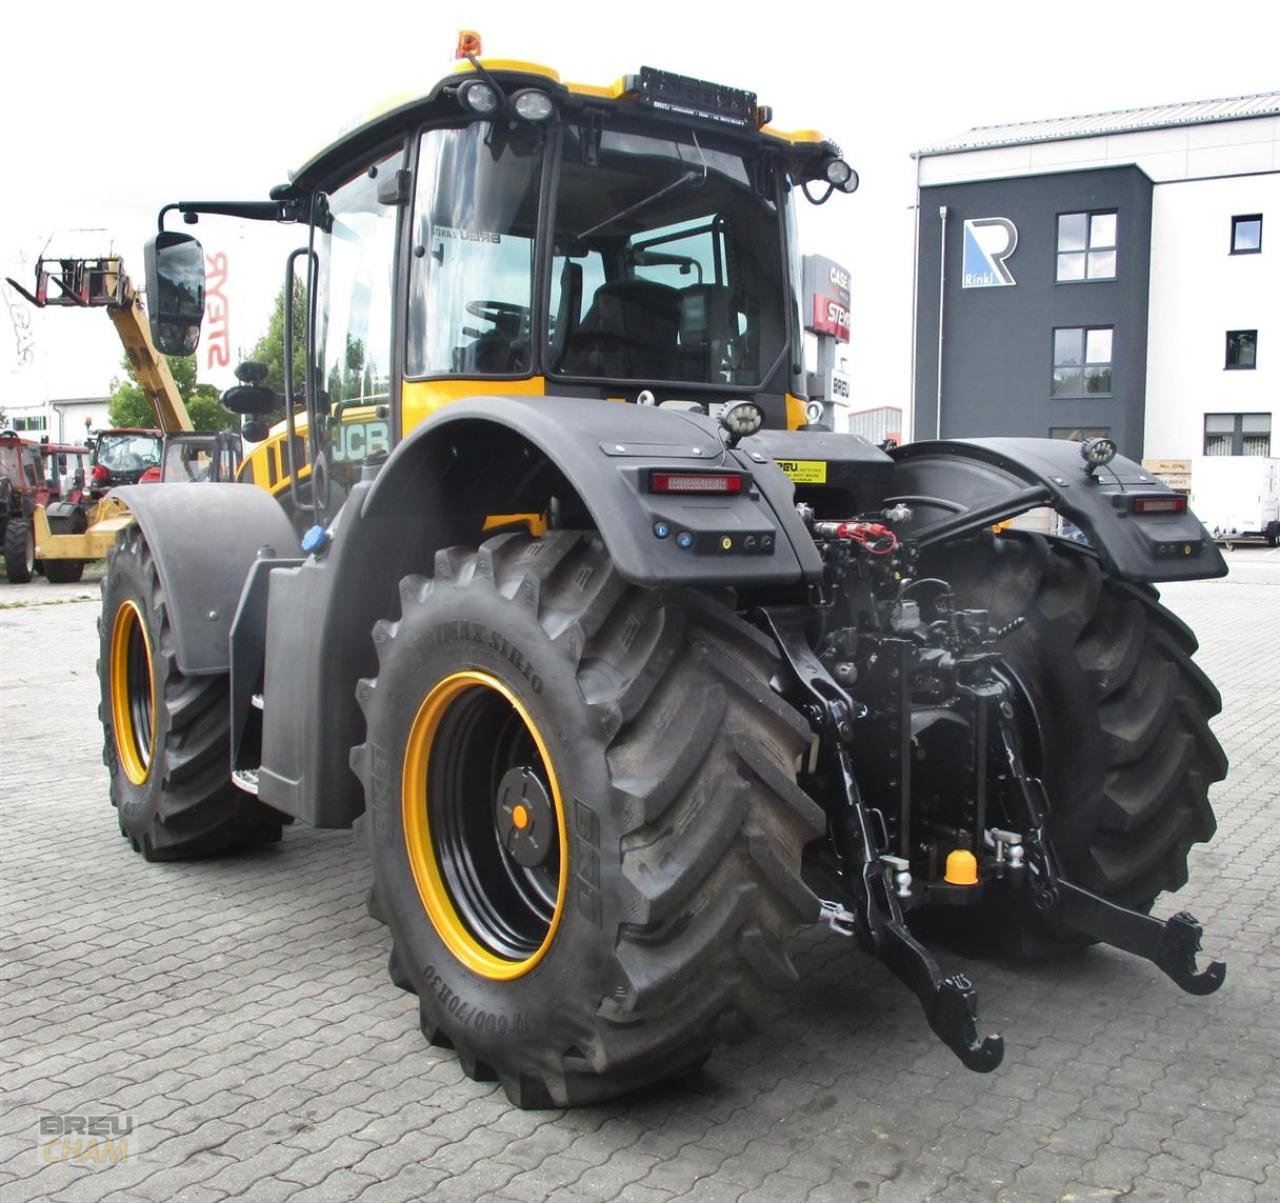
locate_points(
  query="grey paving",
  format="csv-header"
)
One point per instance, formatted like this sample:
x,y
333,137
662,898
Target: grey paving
x,y
239,1010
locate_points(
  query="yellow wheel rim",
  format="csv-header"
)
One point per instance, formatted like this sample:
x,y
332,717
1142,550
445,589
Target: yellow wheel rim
x,y
449,870
133,693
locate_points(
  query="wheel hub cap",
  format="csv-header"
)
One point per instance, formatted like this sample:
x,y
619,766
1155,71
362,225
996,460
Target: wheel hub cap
x,y
525,817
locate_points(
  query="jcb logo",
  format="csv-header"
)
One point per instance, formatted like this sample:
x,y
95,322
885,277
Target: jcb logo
x,y
352,441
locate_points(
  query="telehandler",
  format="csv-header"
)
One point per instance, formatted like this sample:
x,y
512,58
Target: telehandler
x,y
64,541
629,675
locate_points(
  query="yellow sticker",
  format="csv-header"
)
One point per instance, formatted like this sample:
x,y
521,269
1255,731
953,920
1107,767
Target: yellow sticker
x,y
805,471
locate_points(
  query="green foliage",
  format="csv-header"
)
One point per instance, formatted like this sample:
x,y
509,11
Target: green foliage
x,y
129,405
269,349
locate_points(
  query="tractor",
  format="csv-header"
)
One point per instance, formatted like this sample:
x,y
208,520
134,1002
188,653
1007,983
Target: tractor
x,y
624,673
37,480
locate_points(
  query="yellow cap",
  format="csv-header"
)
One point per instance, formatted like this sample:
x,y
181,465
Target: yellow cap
x,y
520,816
962,868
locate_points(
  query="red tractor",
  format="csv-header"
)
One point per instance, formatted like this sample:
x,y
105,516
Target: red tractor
x,y
45,474
123,457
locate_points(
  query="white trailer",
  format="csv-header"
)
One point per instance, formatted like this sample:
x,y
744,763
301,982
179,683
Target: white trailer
x,y
1235,496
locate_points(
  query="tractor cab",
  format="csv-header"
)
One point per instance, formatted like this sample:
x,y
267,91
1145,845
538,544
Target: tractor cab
x,y
122,456
510,233
200,455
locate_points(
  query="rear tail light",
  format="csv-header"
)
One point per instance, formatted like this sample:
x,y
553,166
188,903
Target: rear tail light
x,y
703,483
1176,504
100,473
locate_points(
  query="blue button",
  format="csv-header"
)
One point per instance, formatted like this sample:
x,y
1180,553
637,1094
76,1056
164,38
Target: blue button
x,y
684,539
662,529
315,540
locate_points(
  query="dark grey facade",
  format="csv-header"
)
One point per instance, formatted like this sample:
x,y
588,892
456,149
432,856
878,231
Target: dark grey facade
x,y
997,349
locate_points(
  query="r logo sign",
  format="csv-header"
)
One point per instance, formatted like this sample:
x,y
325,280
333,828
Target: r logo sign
x,y
988,242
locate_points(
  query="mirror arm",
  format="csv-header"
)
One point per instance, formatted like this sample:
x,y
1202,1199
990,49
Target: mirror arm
x,y
273,210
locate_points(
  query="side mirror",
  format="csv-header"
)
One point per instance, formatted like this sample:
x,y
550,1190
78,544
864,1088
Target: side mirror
x,y
175,291
251,399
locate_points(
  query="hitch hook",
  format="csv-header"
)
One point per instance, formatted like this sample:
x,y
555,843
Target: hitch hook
x,y
1179,943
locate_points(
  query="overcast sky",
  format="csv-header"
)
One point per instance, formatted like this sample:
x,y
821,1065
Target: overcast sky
x,y
109,110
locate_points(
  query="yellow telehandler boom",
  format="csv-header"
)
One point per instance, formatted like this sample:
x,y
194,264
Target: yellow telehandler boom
x,y
93,283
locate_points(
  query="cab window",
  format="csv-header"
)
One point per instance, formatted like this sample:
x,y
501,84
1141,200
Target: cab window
x,y
356,253
471,281
667,262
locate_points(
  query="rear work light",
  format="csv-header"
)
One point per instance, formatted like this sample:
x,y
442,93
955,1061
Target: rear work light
x,y
698,483
1176,504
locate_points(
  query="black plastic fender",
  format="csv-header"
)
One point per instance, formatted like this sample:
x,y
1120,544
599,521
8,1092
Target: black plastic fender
x,y
505,455
957,486
205,537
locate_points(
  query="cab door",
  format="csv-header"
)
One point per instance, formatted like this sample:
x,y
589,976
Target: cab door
x,y
355,369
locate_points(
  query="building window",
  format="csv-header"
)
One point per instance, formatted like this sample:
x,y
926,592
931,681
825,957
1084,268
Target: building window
x,y
1246,234
1081,361
39,422
1078,434
1086,246
1237,434
1242,349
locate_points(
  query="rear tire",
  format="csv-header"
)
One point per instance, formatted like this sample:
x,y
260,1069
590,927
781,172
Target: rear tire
x,y
19,551
1124,746
672,882
166,735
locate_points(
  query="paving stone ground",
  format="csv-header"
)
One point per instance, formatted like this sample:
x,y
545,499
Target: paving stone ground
x,y
239,1011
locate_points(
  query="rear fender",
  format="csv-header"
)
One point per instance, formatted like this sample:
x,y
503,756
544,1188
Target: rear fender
x,y
505,455
957,486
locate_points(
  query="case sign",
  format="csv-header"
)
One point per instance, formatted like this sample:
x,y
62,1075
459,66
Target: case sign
x,y
988,242
826,284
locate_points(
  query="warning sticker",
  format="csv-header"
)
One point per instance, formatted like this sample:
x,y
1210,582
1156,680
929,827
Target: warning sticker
x,y
805,471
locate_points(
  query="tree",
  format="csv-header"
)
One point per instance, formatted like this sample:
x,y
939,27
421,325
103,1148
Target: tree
x,y
269,349
129,405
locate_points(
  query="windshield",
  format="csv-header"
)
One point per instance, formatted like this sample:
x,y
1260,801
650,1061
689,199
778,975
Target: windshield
x,y
9,465
668,263
128,452
188,459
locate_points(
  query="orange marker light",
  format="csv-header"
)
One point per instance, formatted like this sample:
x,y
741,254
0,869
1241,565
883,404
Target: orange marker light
x,y
962,868
468,44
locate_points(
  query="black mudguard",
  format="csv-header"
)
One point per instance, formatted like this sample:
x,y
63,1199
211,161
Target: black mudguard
x,y
957,486
205,537
503,455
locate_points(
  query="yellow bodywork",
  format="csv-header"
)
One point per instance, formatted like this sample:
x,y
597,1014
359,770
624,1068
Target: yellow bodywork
x,y
106,520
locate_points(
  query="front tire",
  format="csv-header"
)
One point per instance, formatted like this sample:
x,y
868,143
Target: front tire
x,y
1114,717
66,572
19,551
166,735
640,906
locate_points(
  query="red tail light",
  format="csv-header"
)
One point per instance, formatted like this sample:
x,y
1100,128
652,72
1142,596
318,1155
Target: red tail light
x,y
724,483
1176,504
100,473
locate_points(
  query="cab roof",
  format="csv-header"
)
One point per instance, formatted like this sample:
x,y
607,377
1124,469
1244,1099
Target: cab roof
x,y
627,94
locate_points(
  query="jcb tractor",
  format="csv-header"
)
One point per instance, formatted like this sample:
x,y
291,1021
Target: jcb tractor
x,y
628,675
